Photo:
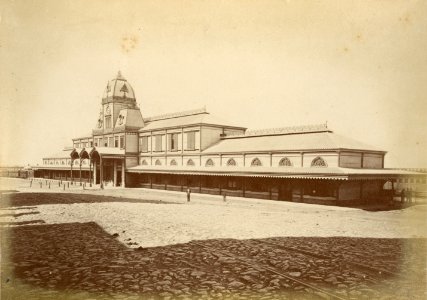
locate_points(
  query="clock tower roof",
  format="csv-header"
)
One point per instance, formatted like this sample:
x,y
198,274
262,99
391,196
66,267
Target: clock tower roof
x,y
118,89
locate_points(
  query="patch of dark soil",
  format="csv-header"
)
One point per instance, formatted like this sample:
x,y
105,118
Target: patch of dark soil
x,y
23,222
81,260
32,199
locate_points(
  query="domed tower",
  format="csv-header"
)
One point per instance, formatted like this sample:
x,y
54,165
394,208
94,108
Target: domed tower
x,y
119,108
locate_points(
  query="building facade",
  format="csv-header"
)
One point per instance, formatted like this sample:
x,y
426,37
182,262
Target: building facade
x,y
196,150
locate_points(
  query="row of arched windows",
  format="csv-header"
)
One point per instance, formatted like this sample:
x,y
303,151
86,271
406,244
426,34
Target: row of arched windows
x,y
256,162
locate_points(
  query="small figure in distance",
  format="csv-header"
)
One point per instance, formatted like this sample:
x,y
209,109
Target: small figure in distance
x,y
402,196
409,195
188,194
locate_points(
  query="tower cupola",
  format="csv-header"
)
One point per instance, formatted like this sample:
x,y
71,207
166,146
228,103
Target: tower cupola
x,y
119,110
118,90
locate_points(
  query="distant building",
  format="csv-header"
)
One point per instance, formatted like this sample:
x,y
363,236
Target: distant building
x,y
197,150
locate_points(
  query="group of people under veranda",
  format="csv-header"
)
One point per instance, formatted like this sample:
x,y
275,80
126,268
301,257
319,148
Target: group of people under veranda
x,y
407,196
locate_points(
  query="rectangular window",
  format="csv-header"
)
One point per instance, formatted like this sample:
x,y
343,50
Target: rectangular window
x,y
191,140
105,142
116,141
173,142
108,122
110,142
143,144
91,144
158,142
122,141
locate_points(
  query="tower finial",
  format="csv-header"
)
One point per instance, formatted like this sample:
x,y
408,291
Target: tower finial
x,y
119,75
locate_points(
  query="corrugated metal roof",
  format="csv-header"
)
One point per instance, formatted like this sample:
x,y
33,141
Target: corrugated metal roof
x,y
193,119
290,142
278,172
129,118
61,154
282,131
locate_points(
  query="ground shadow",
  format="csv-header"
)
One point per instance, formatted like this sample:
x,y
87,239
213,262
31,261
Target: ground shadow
x,y
80,260
33,199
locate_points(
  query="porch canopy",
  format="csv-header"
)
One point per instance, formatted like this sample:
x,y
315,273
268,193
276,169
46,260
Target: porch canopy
x,y
98,155
334,173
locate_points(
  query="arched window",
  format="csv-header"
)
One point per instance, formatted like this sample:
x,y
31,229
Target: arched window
x,y
318,162
190,162
173,162
209,163
285,162
231,162
144,162
158,163
256,162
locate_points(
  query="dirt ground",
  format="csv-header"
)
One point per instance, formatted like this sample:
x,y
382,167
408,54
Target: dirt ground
x,y
154,245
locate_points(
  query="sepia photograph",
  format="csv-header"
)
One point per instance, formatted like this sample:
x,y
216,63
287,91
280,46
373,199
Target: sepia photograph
x,y
211,149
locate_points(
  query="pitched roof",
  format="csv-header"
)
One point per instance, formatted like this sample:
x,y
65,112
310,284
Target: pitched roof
x,y
130,118
323,140
61,154
186,118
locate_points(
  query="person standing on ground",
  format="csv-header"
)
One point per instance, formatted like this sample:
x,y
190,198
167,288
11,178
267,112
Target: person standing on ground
x,y
188,194
402,196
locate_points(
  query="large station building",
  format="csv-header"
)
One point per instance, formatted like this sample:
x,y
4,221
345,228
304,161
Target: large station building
x,y
196,150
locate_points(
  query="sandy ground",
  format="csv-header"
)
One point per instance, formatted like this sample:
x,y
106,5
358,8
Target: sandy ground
x,y
208,217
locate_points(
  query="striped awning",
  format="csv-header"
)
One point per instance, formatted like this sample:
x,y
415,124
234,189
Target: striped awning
x,y
277,172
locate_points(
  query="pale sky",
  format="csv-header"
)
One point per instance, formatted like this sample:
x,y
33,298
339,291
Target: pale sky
x,y
360,65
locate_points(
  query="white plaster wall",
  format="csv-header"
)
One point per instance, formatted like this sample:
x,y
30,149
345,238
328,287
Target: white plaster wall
x,y
264,158
215,159
294,158
180,141
233,131
161,159
164,142
147,159
131,142
176,158
197,141
331,159
196,160
237,158
209,136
